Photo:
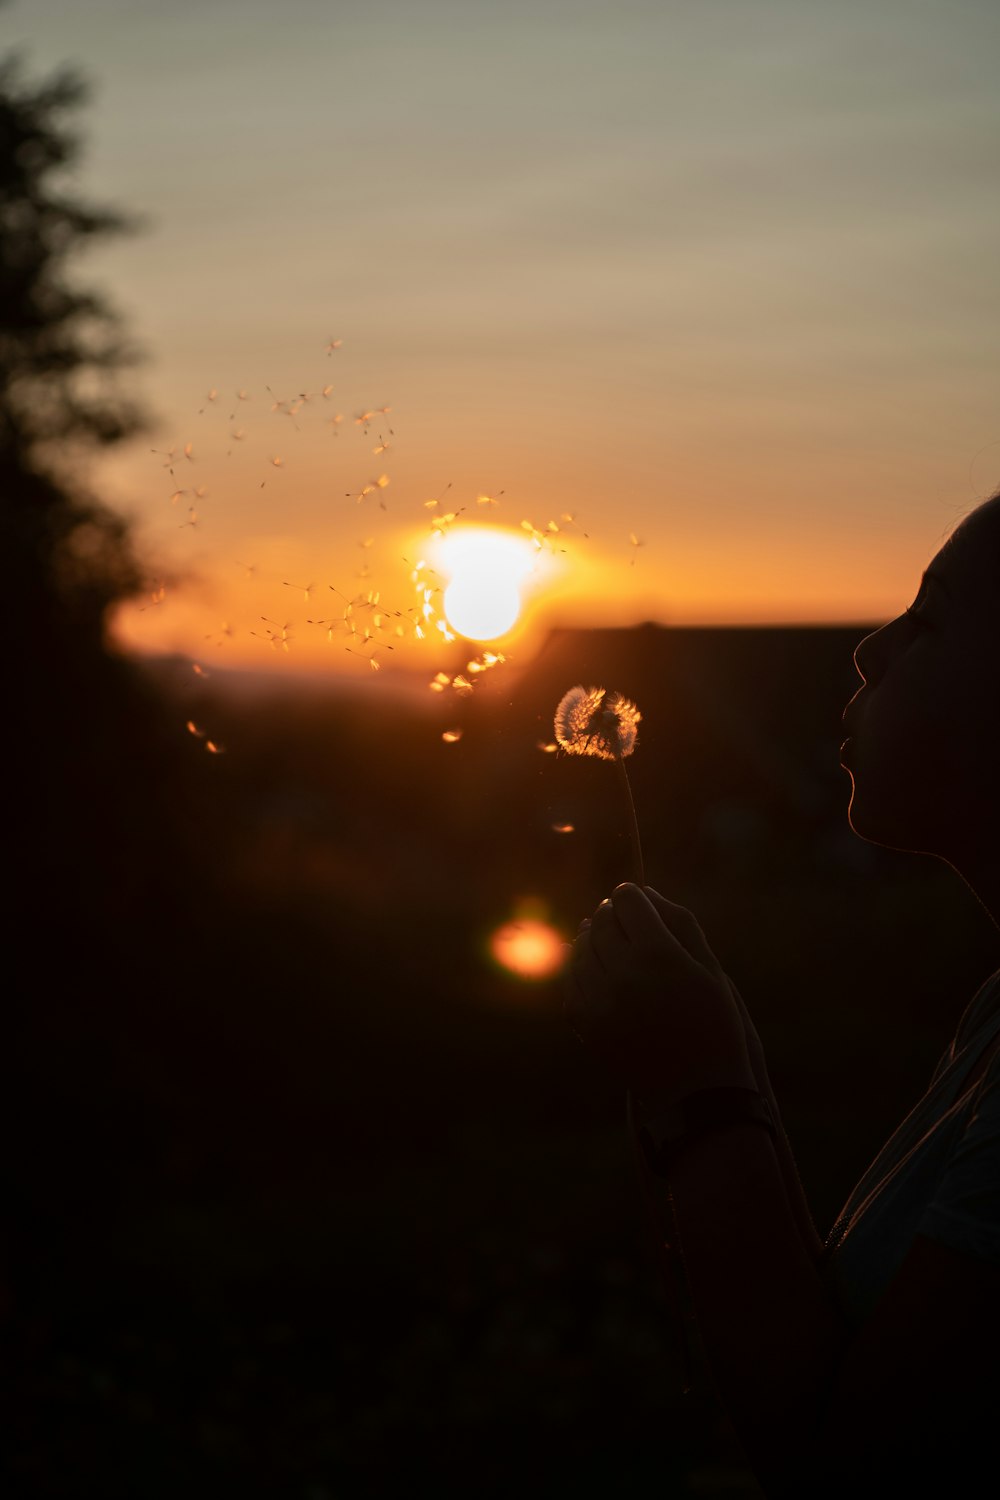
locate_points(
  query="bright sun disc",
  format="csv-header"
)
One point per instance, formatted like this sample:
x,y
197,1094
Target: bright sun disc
x,y
486,568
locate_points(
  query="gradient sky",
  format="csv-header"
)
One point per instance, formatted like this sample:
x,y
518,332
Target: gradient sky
x,y
715,277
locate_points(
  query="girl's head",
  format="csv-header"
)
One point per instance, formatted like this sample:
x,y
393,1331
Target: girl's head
x,y
924,729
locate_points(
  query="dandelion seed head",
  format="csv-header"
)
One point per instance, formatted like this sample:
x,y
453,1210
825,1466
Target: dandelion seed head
x,y
591,721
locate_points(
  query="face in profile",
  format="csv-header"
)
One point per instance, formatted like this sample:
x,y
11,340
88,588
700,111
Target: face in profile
x,y
923,747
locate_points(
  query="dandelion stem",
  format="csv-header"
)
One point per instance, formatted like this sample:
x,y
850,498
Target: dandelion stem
x,y
640,874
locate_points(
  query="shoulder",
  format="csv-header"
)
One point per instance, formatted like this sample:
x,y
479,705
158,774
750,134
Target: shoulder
x,y
982,1009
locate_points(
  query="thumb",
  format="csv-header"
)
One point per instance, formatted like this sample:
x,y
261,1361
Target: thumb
x,y
685,927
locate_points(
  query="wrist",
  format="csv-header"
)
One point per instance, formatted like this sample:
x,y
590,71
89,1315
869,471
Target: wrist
x,y
657,1096
667,1128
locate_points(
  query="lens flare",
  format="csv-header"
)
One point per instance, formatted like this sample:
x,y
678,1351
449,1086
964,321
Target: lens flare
x,y
529,948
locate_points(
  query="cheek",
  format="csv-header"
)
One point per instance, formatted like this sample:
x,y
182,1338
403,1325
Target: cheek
x,y
923,756
910,721
903,762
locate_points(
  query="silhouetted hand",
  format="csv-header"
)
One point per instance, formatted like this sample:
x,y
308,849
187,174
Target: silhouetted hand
x,y
646,993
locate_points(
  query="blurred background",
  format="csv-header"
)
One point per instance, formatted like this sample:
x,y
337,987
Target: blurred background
x,y
309,1190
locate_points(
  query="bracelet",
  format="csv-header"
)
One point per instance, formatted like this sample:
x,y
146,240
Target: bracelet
x,y
665,1135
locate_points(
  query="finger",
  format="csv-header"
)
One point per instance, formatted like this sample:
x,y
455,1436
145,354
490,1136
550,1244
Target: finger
x,y
586,968
584,959
603,908
637,916
607,936
685,927
605,916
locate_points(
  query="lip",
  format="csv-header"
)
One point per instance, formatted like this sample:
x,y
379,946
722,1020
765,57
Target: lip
x,y
849,718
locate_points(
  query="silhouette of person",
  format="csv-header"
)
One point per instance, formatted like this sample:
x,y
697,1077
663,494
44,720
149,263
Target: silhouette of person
x,y
867,1358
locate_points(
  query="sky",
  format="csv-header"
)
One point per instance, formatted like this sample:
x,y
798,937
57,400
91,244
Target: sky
x,y
698,298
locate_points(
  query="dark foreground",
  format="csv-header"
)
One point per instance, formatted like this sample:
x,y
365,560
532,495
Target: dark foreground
x,y
307,1198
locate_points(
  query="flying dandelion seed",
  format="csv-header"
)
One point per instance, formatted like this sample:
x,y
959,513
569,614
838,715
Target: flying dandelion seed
x,y
441,523
158,594
278,635
591,721
484,662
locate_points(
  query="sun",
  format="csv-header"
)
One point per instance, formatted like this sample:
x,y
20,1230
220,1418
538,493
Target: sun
x,y
485,567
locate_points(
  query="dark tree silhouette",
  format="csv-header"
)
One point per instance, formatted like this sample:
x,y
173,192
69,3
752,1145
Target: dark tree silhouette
x,y
93,755
87,742
68,558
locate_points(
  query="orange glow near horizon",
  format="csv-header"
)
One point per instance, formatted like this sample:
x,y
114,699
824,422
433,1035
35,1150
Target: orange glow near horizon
x,y
331,564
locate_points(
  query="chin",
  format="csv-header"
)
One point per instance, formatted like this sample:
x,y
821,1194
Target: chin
x,y
900,834
879,825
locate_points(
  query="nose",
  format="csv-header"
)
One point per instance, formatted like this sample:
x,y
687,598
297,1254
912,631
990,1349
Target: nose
x,y
871,655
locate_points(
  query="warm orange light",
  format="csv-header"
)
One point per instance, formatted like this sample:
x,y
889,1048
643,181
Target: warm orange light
x,y
485,567
528,947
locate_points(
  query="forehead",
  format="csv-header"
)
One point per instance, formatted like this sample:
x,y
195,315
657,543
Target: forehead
x,y
968,565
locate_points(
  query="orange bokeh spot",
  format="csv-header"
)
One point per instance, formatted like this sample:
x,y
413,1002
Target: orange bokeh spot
x,y
528,947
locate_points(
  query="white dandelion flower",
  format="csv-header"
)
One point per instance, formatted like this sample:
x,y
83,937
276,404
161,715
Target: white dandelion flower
x,y
592,721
